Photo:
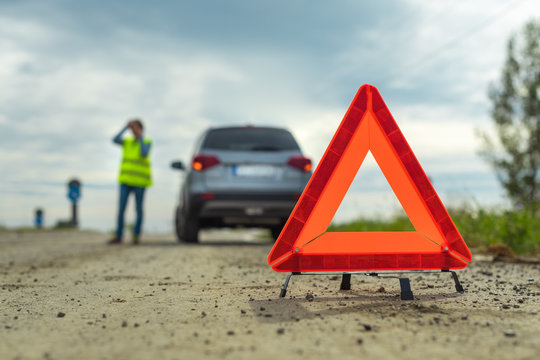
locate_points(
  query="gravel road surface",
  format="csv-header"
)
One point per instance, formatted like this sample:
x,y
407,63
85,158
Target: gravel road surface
x,y
67,295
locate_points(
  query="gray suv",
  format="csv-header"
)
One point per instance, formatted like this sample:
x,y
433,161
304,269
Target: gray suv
x,y
249,176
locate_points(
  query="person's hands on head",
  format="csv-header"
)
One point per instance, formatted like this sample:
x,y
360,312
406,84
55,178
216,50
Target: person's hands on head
x,y
135,126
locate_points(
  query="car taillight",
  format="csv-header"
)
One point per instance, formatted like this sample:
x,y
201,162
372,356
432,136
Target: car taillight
x,y
301,163
203,162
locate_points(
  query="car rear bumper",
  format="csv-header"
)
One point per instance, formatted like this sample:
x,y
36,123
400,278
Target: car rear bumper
x,y
244,208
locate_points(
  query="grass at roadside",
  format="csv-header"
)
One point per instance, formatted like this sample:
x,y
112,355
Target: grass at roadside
x,y
519,229
30,229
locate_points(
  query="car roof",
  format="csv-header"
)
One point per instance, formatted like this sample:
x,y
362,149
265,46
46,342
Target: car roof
x,y
238,127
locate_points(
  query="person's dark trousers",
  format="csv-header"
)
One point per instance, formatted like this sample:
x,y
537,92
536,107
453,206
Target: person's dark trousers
x,y
125,190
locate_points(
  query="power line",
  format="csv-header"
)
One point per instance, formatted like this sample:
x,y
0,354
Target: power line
x,y
434,54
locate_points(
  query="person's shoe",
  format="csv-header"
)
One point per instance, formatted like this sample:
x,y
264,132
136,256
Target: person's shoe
x,y
136,239
115,241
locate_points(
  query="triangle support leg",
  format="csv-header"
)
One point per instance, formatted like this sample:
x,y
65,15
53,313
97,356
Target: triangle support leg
x,y
345,282
459,288
405,285
284,289
286,284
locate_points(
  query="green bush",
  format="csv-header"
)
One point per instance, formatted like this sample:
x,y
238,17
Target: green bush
x,y
395,223
519,229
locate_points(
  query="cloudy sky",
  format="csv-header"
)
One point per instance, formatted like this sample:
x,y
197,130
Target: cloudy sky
x,y
72,73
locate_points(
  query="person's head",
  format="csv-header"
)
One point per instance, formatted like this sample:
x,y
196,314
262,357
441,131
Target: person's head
x,y
136,127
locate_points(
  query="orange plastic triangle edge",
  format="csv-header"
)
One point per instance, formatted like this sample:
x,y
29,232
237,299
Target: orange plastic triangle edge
x,y
304,244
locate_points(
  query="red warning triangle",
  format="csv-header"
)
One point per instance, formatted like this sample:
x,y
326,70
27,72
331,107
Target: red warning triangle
x,y
304,245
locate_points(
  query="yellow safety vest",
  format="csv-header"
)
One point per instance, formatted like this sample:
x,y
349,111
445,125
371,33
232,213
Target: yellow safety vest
x,y
135,169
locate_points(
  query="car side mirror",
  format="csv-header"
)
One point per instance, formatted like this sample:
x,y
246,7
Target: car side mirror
x,y
178,165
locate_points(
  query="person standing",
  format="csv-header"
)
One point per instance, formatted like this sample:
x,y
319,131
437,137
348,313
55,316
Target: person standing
x,y
135,176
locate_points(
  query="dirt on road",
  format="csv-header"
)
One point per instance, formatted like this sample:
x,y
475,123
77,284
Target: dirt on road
x,y
67,295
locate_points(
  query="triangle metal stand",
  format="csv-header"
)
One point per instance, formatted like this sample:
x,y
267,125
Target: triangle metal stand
x,y
404,282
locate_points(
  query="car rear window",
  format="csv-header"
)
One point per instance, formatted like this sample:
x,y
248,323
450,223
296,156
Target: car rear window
x,y
250,139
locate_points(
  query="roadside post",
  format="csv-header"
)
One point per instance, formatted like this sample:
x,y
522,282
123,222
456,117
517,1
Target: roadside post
x,y
38,218
74,194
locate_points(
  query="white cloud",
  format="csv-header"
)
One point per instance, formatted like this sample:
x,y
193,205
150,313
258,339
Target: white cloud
x,y
59,118
436,130
65,91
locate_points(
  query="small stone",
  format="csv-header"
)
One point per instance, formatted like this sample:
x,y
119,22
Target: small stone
x,y
242,311
230,333
464,317
359,341
60,314
203,314
367,327
310,297
124,324
281,331
509,333
381,290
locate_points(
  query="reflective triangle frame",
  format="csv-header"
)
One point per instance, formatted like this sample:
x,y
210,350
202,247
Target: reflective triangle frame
x,y
304,244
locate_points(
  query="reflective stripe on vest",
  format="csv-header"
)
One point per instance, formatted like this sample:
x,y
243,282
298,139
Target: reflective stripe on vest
x,y
134,169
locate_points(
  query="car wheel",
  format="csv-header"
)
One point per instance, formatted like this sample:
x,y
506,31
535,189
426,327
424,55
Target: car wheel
x,y
276,230
177,224
189,228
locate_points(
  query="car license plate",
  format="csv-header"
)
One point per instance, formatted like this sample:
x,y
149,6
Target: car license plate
x,y
254,170
253,211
